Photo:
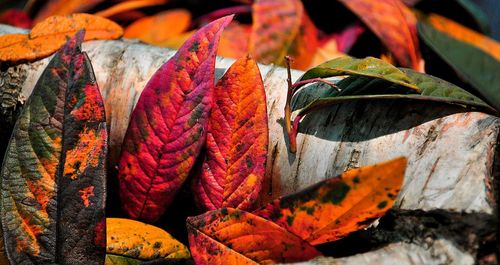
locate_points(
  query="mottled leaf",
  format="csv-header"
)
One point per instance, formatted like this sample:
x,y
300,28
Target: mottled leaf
x,y
53,178
120,260
478,68
49,35
333,208
232,236
394,24
234,41
159,27
237,138
64,7
464,34
370,67
167,127
276,23
129,241
129,5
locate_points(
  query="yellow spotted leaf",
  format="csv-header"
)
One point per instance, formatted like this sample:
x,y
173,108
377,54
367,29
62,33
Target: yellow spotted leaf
x,y
51,34
331,209
130,240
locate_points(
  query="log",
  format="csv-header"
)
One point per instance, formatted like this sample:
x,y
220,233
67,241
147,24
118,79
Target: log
x,y
452,155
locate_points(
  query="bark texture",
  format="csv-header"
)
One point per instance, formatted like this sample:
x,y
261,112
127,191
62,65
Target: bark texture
x,y
446,211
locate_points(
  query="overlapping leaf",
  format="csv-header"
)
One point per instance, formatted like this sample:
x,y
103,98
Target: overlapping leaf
x,y
234,41
232,236
304,44
461,33
369,67
128,6
237,138
53,178
159,27
131,242
168,125
49,35
394,24
331,209
64,7
471,63
276,23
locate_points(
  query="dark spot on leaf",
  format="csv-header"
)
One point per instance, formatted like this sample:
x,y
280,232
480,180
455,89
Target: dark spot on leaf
x,y
249,162
289,220
223,211
195,46
355,180
382,204
157,244
337,194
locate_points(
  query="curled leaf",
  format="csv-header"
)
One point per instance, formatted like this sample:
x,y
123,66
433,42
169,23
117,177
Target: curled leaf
x,y
49,35
53,178
331,209
167,127
130,241
237,139
159,27
232,236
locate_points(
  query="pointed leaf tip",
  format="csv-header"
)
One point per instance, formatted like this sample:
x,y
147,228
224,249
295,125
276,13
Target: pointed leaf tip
x,y
168,125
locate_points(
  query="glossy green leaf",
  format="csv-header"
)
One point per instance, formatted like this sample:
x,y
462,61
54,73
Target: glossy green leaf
x,y
369,67
472,64
477,14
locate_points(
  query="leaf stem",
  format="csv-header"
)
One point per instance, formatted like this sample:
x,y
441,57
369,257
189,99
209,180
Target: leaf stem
x,y
314,80
292,135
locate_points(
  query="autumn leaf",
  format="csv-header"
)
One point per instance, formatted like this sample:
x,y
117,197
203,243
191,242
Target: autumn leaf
x,y
53,177
234,41
394,24
305,44
237,138
49,35
331,209
16,18
64,7
127,6
167,127
464,34
232,236
159,27
276,23
130,241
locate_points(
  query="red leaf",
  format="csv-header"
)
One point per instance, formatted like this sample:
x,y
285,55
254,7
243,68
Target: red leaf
x,y
232,236
167,127
234,166
16,17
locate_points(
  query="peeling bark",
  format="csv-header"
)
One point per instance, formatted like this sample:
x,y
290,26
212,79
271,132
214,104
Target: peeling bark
x,y
451,154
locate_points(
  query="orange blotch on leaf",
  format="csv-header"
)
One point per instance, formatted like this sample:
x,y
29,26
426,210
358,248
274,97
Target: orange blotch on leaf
x,y
85,194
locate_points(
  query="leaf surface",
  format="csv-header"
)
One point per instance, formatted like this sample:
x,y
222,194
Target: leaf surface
x,y
159,27
234,41
369,67
127,6
167,127
49,35
304,44
276,23
232,236
129,240
64,7
16,18
53,177
394,24
471,63
464,34
237,138
331,209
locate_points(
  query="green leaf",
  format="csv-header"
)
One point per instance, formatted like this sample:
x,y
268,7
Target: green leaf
x,y
474,65
477,15
369,67
121,260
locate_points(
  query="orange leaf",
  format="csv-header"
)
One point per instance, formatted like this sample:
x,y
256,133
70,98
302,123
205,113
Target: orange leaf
x,y
64,7
177,41
232,236
234,41
333,208
305,44
235,161
49,35
276,23
394,24
160,27
464,34
326,51
129,5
